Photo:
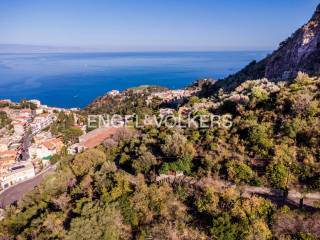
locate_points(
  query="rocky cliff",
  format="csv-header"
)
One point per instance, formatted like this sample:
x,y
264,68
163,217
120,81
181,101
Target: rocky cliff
x,y
300,52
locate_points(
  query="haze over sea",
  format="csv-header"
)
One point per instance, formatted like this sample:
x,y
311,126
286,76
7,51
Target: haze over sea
x,y
75,79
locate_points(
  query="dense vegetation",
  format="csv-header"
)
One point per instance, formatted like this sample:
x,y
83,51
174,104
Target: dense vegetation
x,y
274,141
65,127
5,121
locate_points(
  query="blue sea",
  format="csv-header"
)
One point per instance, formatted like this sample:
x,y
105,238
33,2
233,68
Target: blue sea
x,y
75,79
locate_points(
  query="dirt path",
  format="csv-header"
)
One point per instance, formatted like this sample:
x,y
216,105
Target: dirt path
x,y
294,198
15,193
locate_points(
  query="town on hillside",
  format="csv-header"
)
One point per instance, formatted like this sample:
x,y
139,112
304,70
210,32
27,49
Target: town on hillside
x,y
31,134
26,142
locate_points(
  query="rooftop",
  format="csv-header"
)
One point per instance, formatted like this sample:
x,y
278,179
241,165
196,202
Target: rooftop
x,y
97,136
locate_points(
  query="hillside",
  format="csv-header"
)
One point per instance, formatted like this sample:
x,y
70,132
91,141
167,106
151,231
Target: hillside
x,y
273,142
252,171
130,101
300,52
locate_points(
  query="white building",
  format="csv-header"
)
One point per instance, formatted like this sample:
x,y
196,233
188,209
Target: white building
x,y
19,128
36,102
17,173
6,100
38,111
113,93
39,151
42,121
4,144
45,149
75,148
166,111
171,96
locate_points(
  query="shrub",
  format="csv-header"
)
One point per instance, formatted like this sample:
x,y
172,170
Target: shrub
x,y
71,134
182,165
260,138
223,228
177,145
278,175
145,162
85,162
260,94
240,172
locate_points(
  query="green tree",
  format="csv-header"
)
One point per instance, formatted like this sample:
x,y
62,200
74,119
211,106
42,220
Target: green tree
x,y
177,145
240,172
85,162
223,228
71,134
98,222
278,175
183,164
260,138
145,162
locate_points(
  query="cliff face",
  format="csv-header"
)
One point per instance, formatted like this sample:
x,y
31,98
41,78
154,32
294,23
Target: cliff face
x,y
300,52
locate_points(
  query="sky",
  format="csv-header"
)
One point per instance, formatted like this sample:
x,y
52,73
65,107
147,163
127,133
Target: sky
x,y
158,25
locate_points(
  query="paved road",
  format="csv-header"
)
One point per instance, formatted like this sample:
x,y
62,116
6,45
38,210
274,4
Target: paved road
x,y
26,142
16,192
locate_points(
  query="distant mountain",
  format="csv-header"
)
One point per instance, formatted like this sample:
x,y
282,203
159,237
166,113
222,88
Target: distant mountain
x,y
300,52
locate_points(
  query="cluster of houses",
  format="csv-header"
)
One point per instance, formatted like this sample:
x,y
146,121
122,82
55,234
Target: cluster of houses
x,y
113,93
171,96
43,147
33,124
27,130
11,139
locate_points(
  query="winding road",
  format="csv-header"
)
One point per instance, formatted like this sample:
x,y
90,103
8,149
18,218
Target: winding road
x,y
16,192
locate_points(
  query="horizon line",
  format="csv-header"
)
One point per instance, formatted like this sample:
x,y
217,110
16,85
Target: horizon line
x,y
6,48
